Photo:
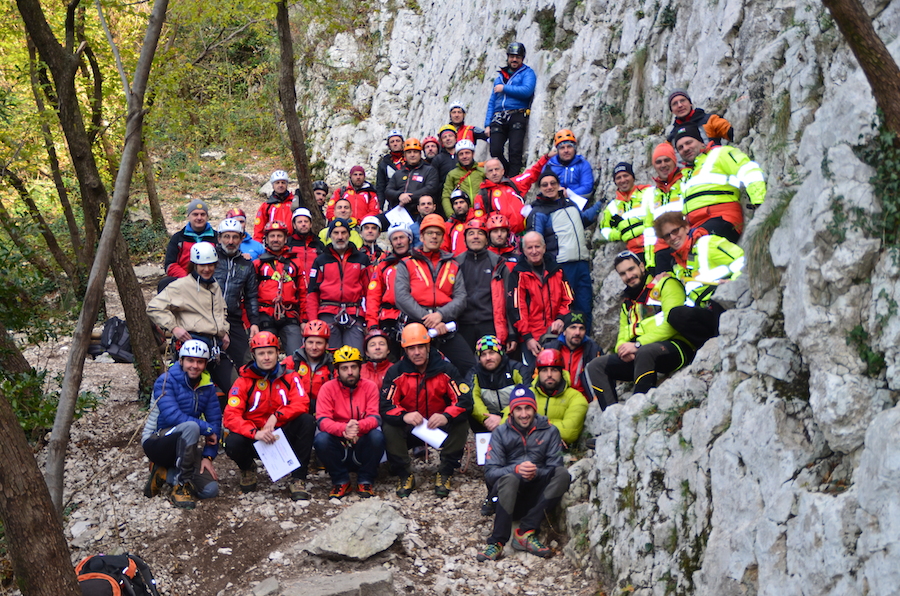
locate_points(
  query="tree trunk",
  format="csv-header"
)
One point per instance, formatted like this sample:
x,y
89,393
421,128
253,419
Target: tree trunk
x,y
81,257
40,556
63,64
156,215
288,95
52,245
877,63
11,358
8,224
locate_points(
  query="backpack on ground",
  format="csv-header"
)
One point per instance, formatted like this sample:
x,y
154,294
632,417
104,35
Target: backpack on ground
x,y
115,575
116,340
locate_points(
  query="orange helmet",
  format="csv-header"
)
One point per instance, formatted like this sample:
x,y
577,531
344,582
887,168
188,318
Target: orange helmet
x,y
412,145
317,328
564,135
550,357
415,334
475,224
432,220
236,212
275,226
497,221
264,339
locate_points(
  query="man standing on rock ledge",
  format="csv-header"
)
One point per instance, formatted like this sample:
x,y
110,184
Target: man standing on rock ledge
x,y
525,470
509,108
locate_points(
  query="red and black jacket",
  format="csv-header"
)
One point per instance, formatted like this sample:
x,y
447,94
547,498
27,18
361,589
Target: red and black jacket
x,y
438,390
305,248
280,285
536,300
311,377
276,208
178,251
337,280
380,303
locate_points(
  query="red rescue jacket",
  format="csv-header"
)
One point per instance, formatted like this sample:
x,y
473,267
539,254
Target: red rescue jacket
x,y
305,248
534,301
363,202
380,304
431,280
280,282
253,398
375,371
339,404
335,280
311,378
438,390
274,209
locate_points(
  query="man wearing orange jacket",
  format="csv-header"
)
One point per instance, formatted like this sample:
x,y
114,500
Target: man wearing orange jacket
x,y
264,398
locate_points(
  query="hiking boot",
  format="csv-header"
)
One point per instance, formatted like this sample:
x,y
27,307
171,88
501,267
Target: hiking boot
x,y
529,543
183,497
248,480
489,506
491,552
442,485
365,491
339,490
298,491
406,486
156,481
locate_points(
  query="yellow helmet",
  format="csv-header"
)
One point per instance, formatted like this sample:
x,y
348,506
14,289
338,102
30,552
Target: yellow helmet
x,y
347,354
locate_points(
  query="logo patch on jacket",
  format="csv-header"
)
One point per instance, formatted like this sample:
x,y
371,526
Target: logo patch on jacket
x,y
262,384
417,178
234,401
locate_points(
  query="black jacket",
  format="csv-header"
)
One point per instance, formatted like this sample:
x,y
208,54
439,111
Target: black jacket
x,y
237,278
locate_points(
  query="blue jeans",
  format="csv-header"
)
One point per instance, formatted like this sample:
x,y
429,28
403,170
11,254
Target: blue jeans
x,y
578,274
340,459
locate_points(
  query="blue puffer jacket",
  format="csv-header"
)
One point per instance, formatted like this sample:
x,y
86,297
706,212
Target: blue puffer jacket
x,y
174,402
577,175
518,91
252,247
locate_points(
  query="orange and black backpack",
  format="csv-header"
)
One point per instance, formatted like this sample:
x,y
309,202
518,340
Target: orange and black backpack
x,y
115,575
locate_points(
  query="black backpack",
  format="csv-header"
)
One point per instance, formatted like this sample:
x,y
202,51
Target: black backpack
x,y
116,340
115,575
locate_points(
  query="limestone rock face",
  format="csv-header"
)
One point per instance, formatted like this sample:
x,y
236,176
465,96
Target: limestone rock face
x,y
771,464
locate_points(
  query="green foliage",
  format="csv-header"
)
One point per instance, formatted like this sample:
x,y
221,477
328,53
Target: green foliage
x,y
846,218
759,259
667,17
146,242
546,21
34,401
882,152
858,338
881,318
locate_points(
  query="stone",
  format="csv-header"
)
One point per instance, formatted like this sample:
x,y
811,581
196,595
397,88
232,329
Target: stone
x,y
266,587
212,155
375,582
360,531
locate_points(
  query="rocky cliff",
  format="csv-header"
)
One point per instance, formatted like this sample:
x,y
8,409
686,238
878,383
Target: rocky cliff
x,y
772,464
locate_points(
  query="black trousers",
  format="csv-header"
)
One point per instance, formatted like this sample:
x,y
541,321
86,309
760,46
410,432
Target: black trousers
x,y
239,348
526,501
658,357
718,226
457,351
299,433
696,324
510,127
472,332
287,329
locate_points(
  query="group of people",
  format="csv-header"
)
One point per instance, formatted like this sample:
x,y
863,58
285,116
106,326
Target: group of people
x,y
475,316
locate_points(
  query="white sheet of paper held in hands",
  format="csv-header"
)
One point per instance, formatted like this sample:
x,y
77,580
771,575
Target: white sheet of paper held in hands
x,y
482,440
399,215
579,201
433,436
277,457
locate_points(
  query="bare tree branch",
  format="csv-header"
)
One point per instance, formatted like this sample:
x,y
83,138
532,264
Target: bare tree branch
x,y
115,49
219,41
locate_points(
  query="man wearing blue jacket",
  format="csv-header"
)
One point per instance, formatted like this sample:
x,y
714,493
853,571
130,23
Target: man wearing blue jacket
x,y
185,406
524,470
574,171
509,107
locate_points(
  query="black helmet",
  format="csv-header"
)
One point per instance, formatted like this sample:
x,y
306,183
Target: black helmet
x,y
320,185
515,49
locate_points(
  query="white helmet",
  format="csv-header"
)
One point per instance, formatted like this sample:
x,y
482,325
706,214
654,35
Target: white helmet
x,y
194,348
465,144
399,227
457,105
203,253
278,175
371,219
301,211
231,225
394,133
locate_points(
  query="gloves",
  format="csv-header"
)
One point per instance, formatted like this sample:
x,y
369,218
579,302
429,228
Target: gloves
x,y
615,220
717,127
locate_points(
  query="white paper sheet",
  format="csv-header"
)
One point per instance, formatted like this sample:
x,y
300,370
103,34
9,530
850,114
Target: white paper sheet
x,y
482,440
433,436
577,199
277,457
399,215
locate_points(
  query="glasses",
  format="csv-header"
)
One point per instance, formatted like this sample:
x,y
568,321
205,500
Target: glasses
x,y
672,234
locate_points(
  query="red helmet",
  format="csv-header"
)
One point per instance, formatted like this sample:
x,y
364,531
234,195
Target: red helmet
x,y
264,339
275,226
550,357
317,328
475,224
372,334
236,212
497,221
434,140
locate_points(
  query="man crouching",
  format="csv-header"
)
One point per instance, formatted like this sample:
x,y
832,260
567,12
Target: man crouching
x,y
524,468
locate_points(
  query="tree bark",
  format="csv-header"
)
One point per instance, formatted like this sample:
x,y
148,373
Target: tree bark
x,y
9,225
11,358
37,545
156,215
63,64
287,93
877,63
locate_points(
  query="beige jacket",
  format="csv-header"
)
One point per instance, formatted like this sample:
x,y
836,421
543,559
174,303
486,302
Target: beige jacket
x,y
194,306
